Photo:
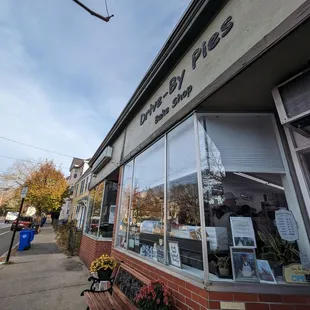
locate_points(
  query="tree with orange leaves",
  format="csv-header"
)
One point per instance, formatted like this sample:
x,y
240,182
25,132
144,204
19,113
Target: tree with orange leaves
x,y
47,187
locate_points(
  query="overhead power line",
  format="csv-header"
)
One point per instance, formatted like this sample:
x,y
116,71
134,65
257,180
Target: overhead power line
x,y
35,147
29,161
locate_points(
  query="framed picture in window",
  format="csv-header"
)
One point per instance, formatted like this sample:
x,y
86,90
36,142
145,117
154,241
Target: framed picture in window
x,y
244,264
174,254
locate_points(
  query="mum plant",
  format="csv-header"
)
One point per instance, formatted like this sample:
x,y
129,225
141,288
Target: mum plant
x,y
104,262
156,295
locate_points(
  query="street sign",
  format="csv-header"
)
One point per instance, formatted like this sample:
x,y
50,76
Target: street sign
x,y
24,191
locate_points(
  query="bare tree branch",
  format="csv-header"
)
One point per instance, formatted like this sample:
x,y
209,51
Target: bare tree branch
x,y
106,19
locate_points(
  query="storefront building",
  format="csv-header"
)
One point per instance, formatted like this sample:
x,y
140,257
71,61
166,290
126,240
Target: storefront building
x,y
209,161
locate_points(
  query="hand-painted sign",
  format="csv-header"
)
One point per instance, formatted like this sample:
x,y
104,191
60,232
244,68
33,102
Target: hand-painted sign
x,y
176,82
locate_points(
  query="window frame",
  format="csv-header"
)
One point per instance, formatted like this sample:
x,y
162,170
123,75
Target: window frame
x,y
87,210
290,189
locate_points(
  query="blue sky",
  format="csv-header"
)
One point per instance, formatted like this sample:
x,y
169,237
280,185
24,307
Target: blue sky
x,y
65,76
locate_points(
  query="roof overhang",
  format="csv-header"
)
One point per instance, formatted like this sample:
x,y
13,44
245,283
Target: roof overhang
x,y
194,21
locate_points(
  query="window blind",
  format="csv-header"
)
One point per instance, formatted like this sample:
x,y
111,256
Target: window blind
x,y
243,143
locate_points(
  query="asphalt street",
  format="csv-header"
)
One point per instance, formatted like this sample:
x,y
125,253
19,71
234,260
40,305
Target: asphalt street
x,y
5,237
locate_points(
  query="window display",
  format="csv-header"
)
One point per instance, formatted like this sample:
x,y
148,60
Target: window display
x,y
91,226
230,172
96,223
242,179
107,210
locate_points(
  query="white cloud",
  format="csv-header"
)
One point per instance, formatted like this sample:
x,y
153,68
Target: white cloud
x,y
66,76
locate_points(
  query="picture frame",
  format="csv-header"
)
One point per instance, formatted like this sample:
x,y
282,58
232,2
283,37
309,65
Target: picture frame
x,y
265,273
242,231
244,264
174,254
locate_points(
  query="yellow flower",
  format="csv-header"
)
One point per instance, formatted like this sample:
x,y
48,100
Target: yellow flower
x,y
103,262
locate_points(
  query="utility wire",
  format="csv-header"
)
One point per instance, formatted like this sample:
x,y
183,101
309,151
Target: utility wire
x,y
35,147
29,161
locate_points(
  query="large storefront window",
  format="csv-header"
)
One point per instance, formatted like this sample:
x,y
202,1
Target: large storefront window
x,y
183,199
243,179
228,170
101,208
146,229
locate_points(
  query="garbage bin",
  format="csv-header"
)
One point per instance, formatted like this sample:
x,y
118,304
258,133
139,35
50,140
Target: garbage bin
x,y
32,233
24,240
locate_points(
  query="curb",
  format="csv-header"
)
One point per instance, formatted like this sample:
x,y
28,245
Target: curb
x,y
5,253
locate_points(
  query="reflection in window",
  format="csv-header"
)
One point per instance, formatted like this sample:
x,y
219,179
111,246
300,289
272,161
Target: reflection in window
x,y
242,178
90,212
146,230
182,198
92,224
108,210
124,205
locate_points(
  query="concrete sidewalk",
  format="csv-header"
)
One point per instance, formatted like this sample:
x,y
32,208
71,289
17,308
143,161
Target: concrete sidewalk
x,y
43,278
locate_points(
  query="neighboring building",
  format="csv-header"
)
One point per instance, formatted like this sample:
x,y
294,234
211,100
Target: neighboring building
x,y
210,158
77,168
80,198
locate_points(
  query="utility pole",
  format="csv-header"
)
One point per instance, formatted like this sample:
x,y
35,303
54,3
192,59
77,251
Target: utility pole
x,y
23,196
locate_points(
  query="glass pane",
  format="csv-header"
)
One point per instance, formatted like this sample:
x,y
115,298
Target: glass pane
x,y
108,210
90,214
124,206
96,206
146,232
240,209
183,227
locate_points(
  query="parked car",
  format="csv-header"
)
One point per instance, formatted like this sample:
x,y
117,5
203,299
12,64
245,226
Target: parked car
x,y
10,217
24,222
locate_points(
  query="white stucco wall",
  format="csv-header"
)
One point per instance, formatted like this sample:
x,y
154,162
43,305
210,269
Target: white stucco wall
x,y
253,19
112,164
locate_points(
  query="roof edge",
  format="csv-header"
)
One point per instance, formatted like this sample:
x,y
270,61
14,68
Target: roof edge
x,y
196,18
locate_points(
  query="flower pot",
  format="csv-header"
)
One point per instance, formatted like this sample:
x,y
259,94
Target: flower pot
x,y
224,272
104,275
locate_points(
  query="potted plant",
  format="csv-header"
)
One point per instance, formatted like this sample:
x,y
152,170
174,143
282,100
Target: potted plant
x,y
223,264
156,295
104,266
278,252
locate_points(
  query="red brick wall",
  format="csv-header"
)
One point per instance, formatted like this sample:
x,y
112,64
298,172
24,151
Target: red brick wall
x,y
191,297
91,249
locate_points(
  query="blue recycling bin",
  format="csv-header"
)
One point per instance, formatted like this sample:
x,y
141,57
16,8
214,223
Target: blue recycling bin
x,y
24,240
32,233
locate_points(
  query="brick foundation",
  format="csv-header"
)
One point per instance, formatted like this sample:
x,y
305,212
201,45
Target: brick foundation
x,y
191,297
91,249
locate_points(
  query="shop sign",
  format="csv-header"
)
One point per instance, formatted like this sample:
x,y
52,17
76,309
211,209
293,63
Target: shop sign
x,y
295,273
175,91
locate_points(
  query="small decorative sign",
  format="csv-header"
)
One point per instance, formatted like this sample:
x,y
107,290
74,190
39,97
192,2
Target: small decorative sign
x,y
286,225
160,254
174,252
295,273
